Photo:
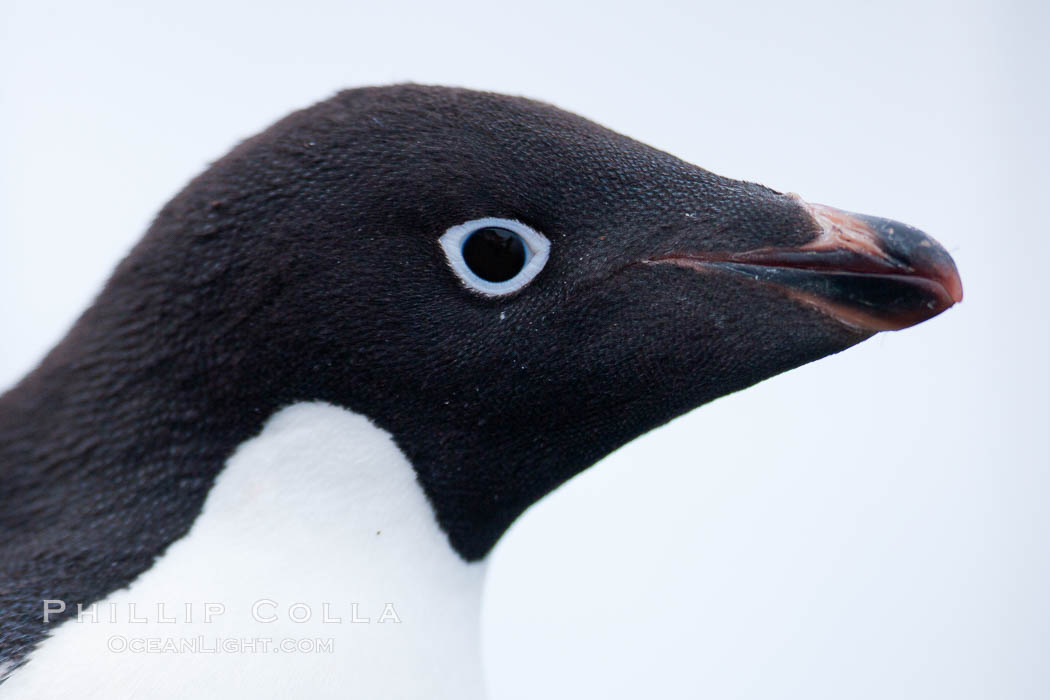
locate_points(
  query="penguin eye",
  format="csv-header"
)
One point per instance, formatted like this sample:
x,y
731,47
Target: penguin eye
x,y
495,256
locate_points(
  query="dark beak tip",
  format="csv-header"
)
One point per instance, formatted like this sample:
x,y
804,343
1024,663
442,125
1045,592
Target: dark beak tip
x,y
952,283
917,251
940,266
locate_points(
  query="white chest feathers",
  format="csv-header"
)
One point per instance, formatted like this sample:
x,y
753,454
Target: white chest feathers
x,y
315,570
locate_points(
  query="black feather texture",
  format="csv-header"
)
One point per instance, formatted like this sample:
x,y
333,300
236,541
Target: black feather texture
x,y
305,266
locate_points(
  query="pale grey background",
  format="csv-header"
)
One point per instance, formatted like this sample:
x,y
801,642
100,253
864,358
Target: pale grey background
x,y
871,526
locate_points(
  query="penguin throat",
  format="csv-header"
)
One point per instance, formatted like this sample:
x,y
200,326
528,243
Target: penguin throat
x,y
315,565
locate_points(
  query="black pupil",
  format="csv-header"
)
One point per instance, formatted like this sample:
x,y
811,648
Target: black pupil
x,y
494,254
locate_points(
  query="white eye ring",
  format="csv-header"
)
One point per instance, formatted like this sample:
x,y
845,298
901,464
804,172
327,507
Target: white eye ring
x,y
537,249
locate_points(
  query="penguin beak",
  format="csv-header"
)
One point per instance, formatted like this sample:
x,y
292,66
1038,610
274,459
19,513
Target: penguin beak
x,y
869,273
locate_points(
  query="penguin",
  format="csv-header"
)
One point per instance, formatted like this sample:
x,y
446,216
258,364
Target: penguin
x,y
272,456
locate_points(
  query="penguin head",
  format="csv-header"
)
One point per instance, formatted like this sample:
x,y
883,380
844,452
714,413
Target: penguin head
x,y
510,290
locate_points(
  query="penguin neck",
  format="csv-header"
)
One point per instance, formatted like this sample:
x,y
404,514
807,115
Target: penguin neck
x,y
320,516
128,446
